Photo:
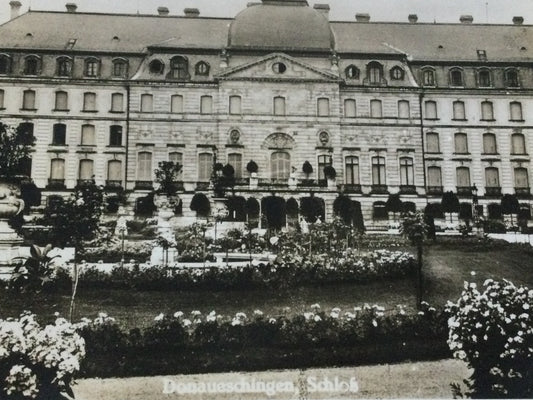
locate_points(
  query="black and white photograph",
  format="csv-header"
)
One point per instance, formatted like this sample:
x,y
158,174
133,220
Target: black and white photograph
x,y
266,200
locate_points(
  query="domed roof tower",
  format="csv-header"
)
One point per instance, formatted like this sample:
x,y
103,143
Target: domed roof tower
x,y
281,25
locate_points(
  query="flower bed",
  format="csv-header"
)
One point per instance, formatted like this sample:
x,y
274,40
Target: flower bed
x,y
198,343
349,268
38,362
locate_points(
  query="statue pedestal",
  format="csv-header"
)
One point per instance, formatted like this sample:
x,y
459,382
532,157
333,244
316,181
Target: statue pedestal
x,y
8,237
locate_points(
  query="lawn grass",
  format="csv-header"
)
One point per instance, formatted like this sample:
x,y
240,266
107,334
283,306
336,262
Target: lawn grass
x,y
445,270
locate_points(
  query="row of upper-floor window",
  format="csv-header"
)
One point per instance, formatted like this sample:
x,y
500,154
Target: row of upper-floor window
x,y
463,179
486,108
484,78
490,143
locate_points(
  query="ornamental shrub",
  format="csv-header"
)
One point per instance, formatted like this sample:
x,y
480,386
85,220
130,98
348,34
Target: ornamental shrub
x,y
492,330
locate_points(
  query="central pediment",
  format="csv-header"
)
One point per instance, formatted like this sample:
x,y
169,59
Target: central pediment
x,y
278,67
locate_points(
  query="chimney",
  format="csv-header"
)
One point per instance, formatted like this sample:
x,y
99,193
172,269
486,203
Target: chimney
x,y
162,11
15,8
191,12
323,9
518,20
413,18
71,7
466,19
359,17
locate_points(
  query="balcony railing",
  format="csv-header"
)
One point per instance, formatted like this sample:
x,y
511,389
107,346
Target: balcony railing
x,y
113,185
144,185
352,188
407,189
56,184
522,191
273,182
379,189
202,185
464,190
494,191
434,190
84,182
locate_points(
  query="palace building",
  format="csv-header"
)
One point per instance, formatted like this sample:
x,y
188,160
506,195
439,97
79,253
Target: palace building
x,y
410,108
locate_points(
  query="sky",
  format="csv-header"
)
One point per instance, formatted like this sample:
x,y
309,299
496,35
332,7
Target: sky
x,y
483,11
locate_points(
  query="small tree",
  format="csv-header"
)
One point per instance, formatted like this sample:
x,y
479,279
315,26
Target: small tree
x,y
450,203
510,205
330,172
394,204
307,169
252,167
311,208
343,207
167,175
201,205
15,146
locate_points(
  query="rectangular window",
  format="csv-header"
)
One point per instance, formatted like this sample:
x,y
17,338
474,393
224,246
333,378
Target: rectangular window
x,y
407,176
206,105
235,160
144,166
177,158
114,170
88,135
349,108
323,162
57,169
432,142
461,143
487,112
323,107
28,100
492,178
430,109
205,166
89,102
459,110
86,170
429,77
117,102
489,143
516,111
434,176
59,137
235,105
176,104
115,135
375,109
352,170
521,179
147,103
61,101
279,105
518,143
378,171
463,177
404,111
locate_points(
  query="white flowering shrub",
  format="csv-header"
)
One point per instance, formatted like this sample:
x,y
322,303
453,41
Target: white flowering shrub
x,y
492,330
38,362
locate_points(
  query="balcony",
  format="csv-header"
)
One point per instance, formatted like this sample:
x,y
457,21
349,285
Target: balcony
x,y
493,191
379,189
144,185
407,189
85,182
113,185
464,190
57,184
434,190
352,188
273,182
242,181
522,191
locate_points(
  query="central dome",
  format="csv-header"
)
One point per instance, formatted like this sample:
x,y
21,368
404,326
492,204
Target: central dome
x,y
281,25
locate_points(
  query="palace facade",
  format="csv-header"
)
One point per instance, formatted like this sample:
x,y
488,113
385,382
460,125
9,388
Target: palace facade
x,y
410,108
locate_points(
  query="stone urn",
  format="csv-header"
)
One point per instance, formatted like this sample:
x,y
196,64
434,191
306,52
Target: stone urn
x,y
10,205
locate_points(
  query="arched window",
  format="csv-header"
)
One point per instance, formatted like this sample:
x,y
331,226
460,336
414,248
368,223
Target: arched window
x,y
235,160
484,78
88,135
515,111
428,77
518,143
144,166
521,179
459,110
374,73
487,111
64,66
397,73
378,171
489,143
351,170
280,165
179,68
117,102
279,105
5,64
201,68
57,169
352,72
430,109
463,177
114,171
456,77
407,175
349,108
461,143
86,169
404,111
120,68
492,177
61,101
32,65
511,78
59,136
432,142
92,67
205,166
376,110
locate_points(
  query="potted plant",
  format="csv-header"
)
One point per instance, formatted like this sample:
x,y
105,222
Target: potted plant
x,y
307,169
252,169
330,174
